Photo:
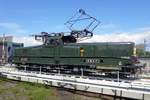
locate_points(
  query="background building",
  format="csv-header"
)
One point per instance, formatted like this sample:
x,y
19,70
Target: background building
x,y
7,48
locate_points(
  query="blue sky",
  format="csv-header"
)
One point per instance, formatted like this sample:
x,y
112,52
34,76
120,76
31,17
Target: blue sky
x,y
25,17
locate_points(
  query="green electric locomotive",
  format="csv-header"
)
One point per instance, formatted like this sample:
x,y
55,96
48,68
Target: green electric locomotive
x,y
62,52
104,57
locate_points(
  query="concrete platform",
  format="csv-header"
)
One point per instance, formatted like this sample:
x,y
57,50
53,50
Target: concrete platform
x,y
132,89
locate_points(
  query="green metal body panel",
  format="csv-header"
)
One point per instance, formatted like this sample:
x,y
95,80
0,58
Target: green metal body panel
x,y
100,55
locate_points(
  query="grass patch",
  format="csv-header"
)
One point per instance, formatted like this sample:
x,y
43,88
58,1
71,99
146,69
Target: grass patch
x,y
2,80
27,91
14,90
37,91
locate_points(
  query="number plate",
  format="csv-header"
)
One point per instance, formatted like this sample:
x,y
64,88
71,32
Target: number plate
x,y
92,60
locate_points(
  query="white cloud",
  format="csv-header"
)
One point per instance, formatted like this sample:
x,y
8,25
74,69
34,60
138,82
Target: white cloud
x,y
121,37
28,41
114,37
12,27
